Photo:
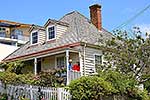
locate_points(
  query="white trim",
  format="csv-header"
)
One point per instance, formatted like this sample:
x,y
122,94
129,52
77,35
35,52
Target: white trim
x,y
81,63
31,37
47,34
35,66
67,65
97,55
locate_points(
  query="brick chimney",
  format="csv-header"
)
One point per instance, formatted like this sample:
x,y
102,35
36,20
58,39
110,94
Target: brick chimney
x,y
95,14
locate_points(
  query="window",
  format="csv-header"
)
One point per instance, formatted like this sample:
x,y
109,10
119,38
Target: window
x,y
51,32
60,62
2,32
17,34
34,37
98,60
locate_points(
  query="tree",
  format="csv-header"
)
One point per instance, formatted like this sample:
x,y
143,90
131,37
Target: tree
x,y
128,55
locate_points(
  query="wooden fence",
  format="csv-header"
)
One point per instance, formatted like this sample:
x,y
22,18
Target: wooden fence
x,y
34,92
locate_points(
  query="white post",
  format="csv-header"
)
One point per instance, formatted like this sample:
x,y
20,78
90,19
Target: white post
x,y
35,66
59,93
67,64
81,63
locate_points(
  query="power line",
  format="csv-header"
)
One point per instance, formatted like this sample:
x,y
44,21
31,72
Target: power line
x,y
132,18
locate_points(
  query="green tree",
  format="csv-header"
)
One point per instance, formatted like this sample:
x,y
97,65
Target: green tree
x,y
129,53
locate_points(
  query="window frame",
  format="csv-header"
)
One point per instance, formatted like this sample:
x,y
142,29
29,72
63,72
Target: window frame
x,y
59,56
47,37
96,54
31,37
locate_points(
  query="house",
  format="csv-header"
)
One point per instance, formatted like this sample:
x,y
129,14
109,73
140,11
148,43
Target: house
x,y
12,36
72,37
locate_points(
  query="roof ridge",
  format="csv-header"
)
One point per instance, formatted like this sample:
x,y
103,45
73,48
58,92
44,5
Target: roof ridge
x,y
75,11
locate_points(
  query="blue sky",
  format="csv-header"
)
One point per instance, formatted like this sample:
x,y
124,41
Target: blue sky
x,y
114,12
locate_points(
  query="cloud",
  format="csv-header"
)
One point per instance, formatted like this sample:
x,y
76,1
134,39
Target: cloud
x,y
144,28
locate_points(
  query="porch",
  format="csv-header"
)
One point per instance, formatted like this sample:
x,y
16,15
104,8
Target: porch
x,y
64,59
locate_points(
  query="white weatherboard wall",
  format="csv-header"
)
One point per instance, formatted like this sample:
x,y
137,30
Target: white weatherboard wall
x,y
90,59
5,50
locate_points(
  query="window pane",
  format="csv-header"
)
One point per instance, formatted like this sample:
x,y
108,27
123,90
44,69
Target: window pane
x,y
17,34
34,37
2,34
60,62
98,59
51,32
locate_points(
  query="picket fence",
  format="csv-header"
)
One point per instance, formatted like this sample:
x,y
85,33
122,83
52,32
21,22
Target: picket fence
x,y
34,92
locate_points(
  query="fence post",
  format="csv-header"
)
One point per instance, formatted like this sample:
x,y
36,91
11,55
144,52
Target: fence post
x,y
59,93
31,94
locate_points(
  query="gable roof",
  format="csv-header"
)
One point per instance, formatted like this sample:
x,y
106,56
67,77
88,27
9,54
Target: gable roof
x,y
80,30
53,21
36,27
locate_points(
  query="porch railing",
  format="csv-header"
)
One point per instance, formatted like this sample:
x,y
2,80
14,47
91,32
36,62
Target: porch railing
x,y
74,75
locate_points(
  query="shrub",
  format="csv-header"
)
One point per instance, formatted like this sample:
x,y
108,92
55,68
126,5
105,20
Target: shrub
x,y
119,81
106,84
92,87
51,78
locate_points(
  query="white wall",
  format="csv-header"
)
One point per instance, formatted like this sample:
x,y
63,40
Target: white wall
x,y
5,50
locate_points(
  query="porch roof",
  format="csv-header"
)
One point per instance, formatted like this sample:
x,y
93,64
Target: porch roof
x,y
50,51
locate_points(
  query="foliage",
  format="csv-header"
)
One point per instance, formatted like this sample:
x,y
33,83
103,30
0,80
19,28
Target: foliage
x,y
92,87
146,82
119,81
128,55
105,84
14,67
51,78
3,97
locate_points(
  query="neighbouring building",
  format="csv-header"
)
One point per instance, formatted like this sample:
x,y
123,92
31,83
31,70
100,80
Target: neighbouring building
x,y
12,36
72,37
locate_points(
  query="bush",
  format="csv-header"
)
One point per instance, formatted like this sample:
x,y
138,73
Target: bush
x,y
51,78
92,87
106,84
119,81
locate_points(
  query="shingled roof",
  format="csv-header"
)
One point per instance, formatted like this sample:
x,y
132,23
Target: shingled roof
x,y
80,30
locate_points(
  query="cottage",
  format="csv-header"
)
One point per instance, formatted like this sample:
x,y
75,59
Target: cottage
x,y
72,38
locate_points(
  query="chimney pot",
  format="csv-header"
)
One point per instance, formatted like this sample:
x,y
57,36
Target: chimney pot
x,y
95,15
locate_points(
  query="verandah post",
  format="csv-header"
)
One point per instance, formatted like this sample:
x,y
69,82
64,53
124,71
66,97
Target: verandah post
x,y
67,65
35,66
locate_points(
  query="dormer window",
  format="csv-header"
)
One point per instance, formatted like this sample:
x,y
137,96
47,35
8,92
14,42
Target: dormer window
x,y
51,33
34,37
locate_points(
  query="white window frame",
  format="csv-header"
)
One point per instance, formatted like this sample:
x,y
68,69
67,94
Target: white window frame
x,y
31,37
48,33
57,56
98,55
